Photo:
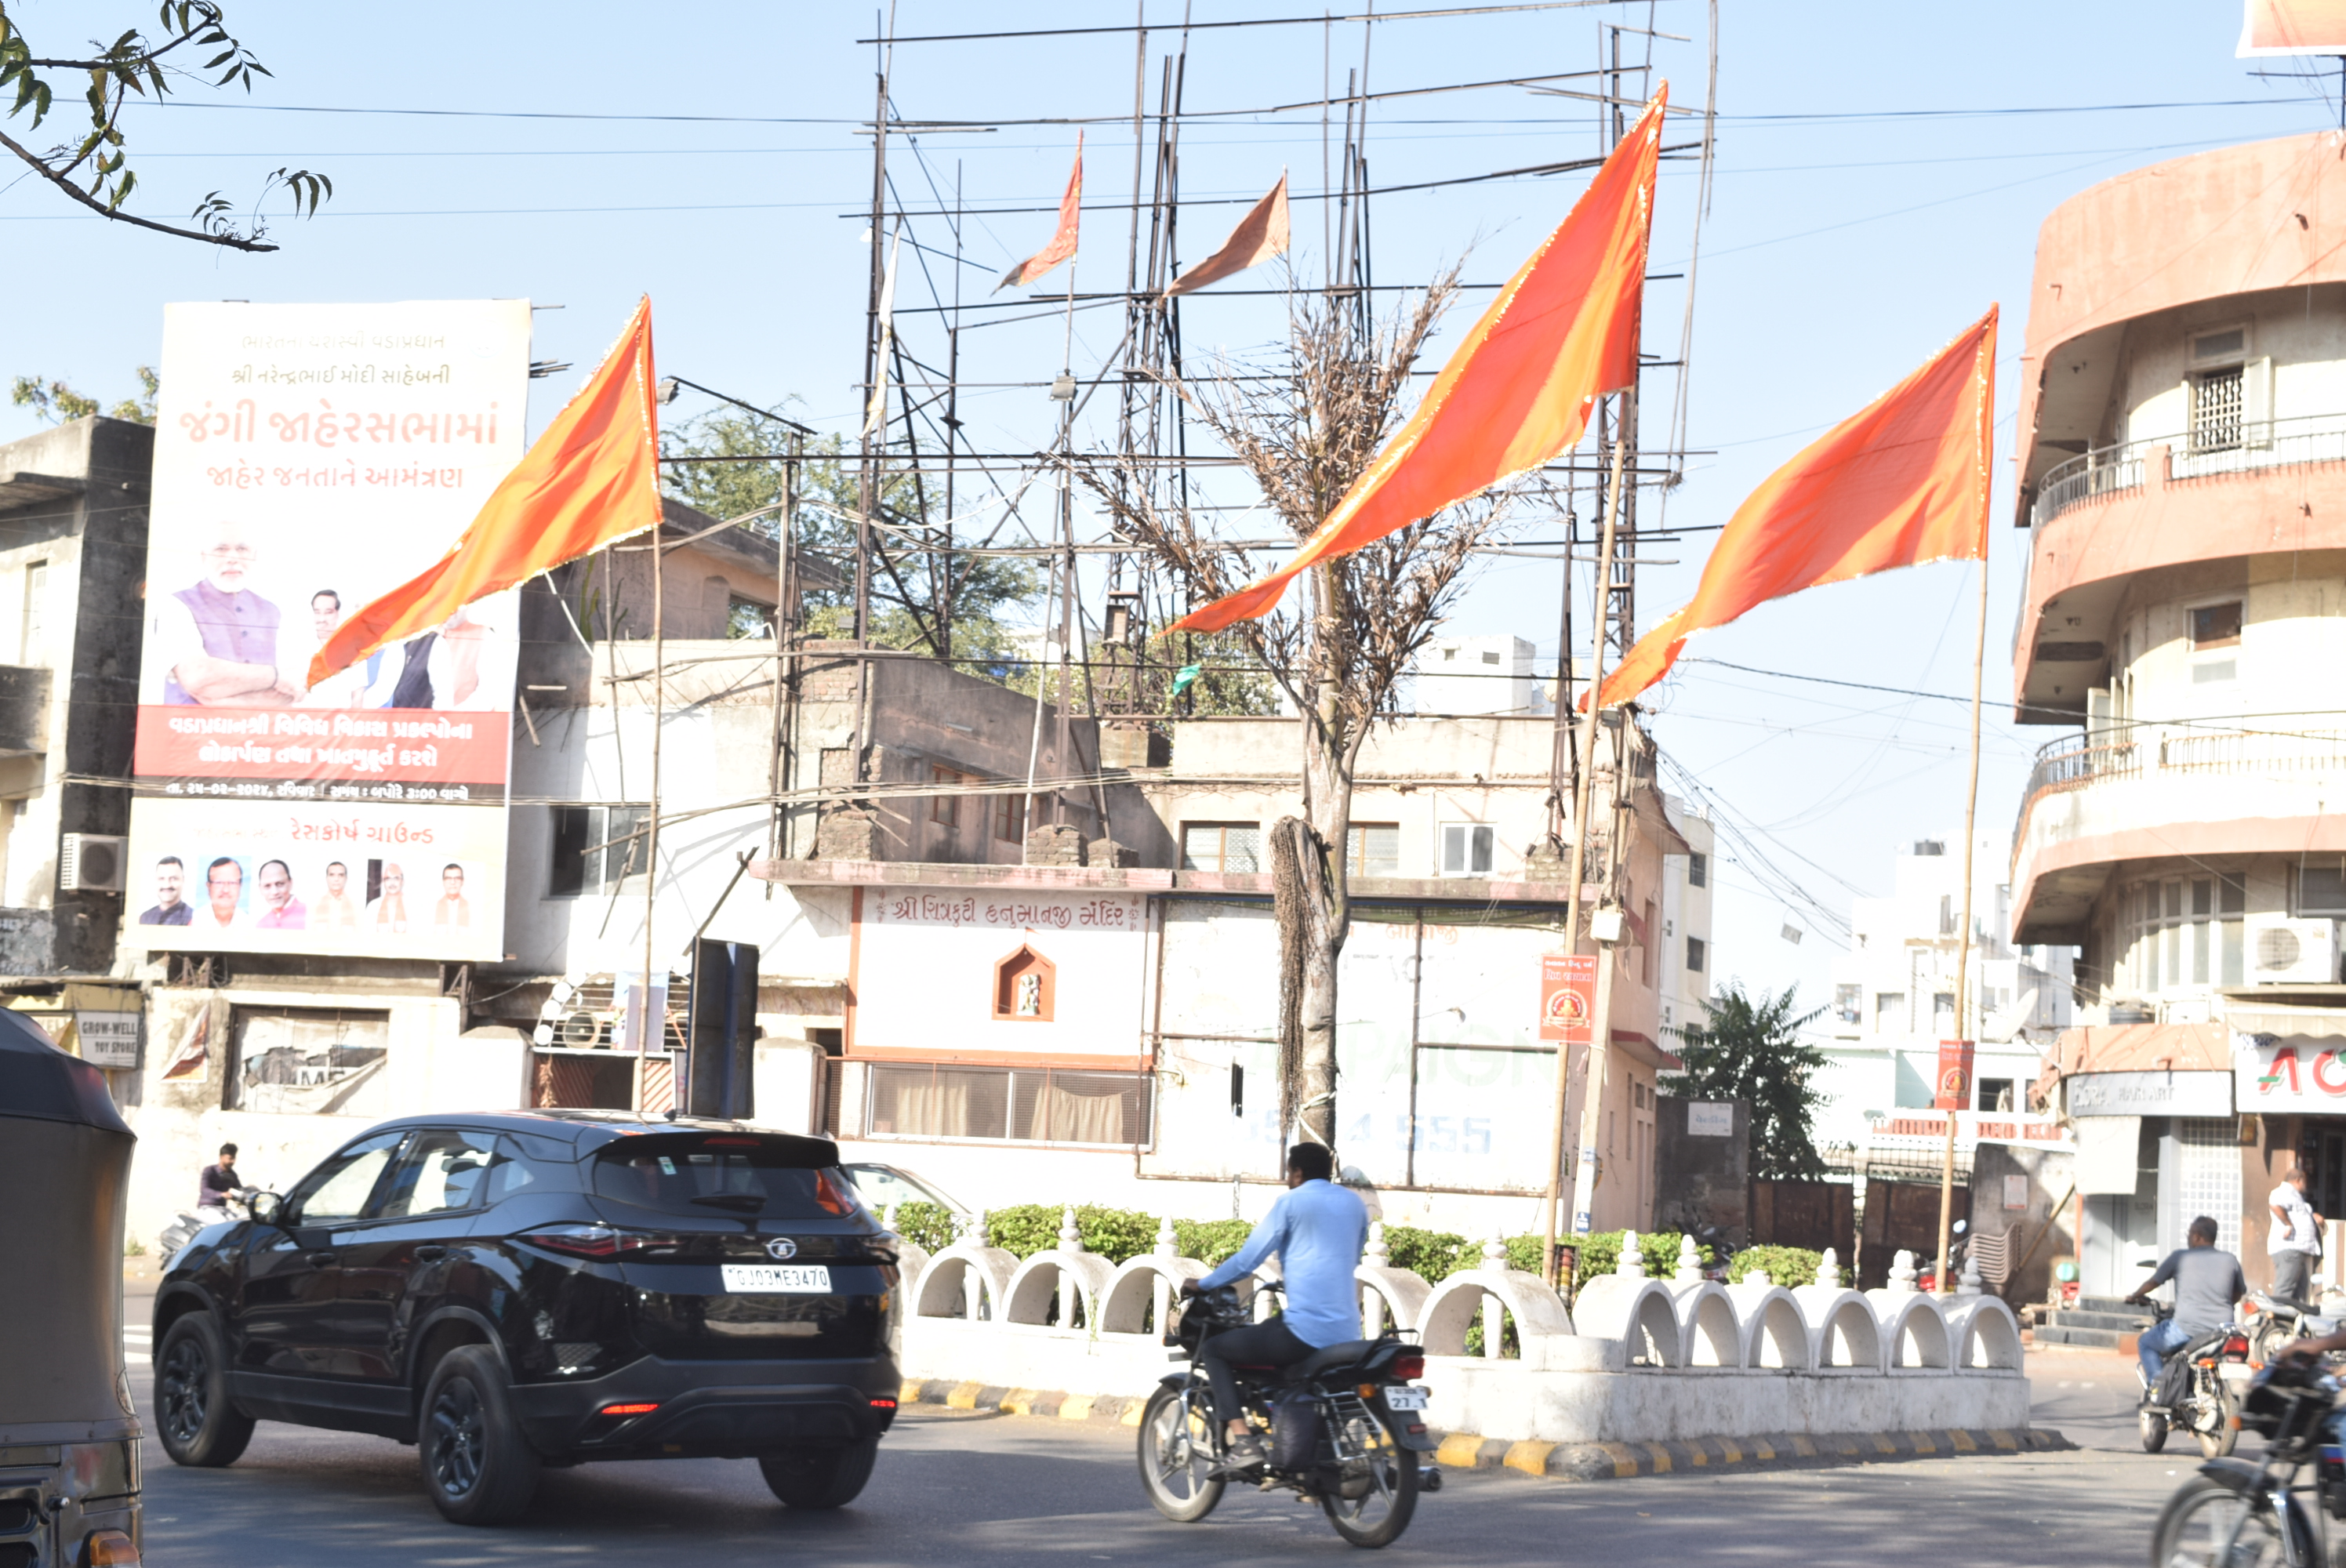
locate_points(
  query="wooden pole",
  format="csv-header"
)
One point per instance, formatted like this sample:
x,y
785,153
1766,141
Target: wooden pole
x,y
1578,868
1963,935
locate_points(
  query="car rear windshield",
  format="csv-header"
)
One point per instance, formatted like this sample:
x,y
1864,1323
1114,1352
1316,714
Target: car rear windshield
x,y
716,1173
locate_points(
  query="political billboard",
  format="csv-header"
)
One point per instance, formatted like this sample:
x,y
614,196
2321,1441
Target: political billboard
x,y
307,458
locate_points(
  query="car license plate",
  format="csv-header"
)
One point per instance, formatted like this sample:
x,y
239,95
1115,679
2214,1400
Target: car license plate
x,y
1404,1398
767,1279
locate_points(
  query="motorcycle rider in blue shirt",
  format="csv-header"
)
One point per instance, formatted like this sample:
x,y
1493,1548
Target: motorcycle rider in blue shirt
x,y
1318,1231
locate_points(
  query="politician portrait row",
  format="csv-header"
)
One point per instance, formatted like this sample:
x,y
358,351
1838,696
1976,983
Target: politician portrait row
x,y
308,893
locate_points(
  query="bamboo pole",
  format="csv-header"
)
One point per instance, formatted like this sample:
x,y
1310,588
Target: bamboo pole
x,y
1578,866
1963,935
654,1027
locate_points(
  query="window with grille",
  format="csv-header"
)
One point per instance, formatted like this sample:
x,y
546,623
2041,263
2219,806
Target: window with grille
x,y
1221,847
1006,1105
1697,869
2216,409
1697,953
1373,849
1010,819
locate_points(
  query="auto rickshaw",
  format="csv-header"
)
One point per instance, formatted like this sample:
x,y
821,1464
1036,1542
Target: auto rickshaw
x,y
69,1433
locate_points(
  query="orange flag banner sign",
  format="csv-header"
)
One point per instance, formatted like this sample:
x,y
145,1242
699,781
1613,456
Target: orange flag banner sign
x,y
1063,243
1260,235
1901,482
592,478
1520,388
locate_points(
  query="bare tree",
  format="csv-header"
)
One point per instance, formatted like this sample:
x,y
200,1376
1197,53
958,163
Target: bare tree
x,y
193,42
1306,426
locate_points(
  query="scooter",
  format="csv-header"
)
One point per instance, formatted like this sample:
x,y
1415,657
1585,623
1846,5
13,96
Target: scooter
x,y
1958,1237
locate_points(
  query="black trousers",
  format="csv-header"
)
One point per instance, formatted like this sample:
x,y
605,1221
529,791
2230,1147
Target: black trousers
x,y
1271,1344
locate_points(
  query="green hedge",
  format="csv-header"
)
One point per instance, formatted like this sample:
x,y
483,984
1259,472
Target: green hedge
x,y
1120,1233
1785,1265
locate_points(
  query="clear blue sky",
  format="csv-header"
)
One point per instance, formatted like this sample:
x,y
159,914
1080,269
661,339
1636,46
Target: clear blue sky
x,y
706,155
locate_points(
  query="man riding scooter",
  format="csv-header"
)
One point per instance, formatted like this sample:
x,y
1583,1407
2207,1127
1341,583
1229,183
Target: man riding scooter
x,y
2207,1286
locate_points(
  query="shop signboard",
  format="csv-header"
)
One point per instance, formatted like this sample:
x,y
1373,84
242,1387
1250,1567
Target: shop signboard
x,y
307,458
1568,996
2280,1073
2149,1094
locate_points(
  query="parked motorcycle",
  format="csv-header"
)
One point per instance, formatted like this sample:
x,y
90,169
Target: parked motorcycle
x,y
1958,1237
2272,1325
1344,1427
2192,1393
2238,1512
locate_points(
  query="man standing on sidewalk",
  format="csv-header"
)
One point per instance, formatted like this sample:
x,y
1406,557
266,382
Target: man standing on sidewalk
x,y
2293,1239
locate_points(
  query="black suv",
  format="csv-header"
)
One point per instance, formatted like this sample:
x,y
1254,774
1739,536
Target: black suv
x,y
511,1291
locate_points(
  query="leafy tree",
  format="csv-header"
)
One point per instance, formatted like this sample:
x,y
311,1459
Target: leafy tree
x,y
95,171
1750,1050
58,403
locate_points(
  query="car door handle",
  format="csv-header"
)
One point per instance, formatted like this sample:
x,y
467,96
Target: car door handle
x,y
323,1260
430,1252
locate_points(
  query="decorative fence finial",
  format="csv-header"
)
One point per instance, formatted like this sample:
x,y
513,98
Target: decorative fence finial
x,y
1828,1270
1169,1245
975,1230
1690,1263
1757,1276
1901,1273
1071,1240
1633,1262
1967,1283
888,1218
1494,1253
1378,1255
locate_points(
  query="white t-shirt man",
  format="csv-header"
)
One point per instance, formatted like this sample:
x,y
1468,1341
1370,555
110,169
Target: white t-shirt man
x,y
2304,1235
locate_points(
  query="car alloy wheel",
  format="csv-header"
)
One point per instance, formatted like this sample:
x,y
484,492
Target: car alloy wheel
x,y
458,1435
182,1390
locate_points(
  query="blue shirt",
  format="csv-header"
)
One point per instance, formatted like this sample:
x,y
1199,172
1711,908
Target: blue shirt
x,y
1318,1229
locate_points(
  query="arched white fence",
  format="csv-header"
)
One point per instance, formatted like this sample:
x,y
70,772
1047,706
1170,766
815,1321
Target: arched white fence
x,y
1748,1357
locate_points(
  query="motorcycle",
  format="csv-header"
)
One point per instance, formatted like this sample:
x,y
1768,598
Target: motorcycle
x,y
2272,1325
1958,1235
2193,1394
185,1226
2237,1512
1343,1427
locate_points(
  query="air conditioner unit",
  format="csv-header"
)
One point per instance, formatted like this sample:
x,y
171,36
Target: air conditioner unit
x,y
2303,952
91,862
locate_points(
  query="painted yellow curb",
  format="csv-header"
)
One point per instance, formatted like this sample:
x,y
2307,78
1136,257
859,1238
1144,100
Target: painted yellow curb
x,y
1076,1408
1131,1416
2004,1439
1624,1463
1661,1458
1734,1454
1761,1451
910,1394
1459,1449
1921,1441
965,1397
1530,1456
1963,1441
1803,1447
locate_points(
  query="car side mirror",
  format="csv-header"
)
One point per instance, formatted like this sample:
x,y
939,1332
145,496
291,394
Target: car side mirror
x,y
267,1208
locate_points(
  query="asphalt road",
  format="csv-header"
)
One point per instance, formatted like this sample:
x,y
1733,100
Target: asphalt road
x,y
971,1490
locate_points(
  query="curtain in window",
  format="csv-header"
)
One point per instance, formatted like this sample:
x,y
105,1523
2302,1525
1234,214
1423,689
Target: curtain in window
x,y
1084,1109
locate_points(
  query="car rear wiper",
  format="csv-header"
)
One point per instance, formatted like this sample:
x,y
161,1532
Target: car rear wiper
x,y
741,1202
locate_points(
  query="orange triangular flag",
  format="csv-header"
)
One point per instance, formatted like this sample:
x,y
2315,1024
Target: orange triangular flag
x,y
1901,482
1063,243
1520,389
593,477
1260,235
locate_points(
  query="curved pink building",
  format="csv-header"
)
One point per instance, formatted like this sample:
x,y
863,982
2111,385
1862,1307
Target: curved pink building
x,y
2183,487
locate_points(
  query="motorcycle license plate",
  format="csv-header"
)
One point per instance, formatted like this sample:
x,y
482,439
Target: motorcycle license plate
x,y
1405,1399
767,1279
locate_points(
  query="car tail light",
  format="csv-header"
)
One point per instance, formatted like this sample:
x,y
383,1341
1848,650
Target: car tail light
x,y
1408,1366
109,1549
831,1196
629,1409
883,1404
728,1142
596,1241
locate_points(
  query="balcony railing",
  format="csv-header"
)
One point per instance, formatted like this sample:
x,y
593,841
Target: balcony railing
x,y
2263,443
2270,747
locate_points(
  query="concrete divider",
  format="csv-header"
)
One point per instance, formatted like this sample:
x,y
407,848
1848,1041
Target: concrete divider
x,y
1637,1361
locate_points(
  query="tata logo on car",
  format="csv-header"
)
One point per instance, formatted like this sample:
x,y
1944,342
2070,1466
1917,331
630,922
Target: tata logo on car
x,y
781,1247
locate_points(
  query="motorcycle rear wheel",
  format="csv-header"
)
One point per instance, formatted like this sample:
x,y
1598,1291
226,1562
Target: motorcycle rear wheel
x,y
1178,1457
2225,1437
2203,1514
1381,1511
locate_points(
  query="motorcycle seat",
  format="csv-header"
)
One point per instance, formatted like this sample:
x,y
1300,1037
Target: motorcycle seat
x,y
1341,1354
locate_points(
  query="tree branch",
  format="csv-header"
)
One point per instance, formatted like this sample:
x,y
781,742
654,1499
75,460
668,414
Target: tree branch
x,y
232,241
